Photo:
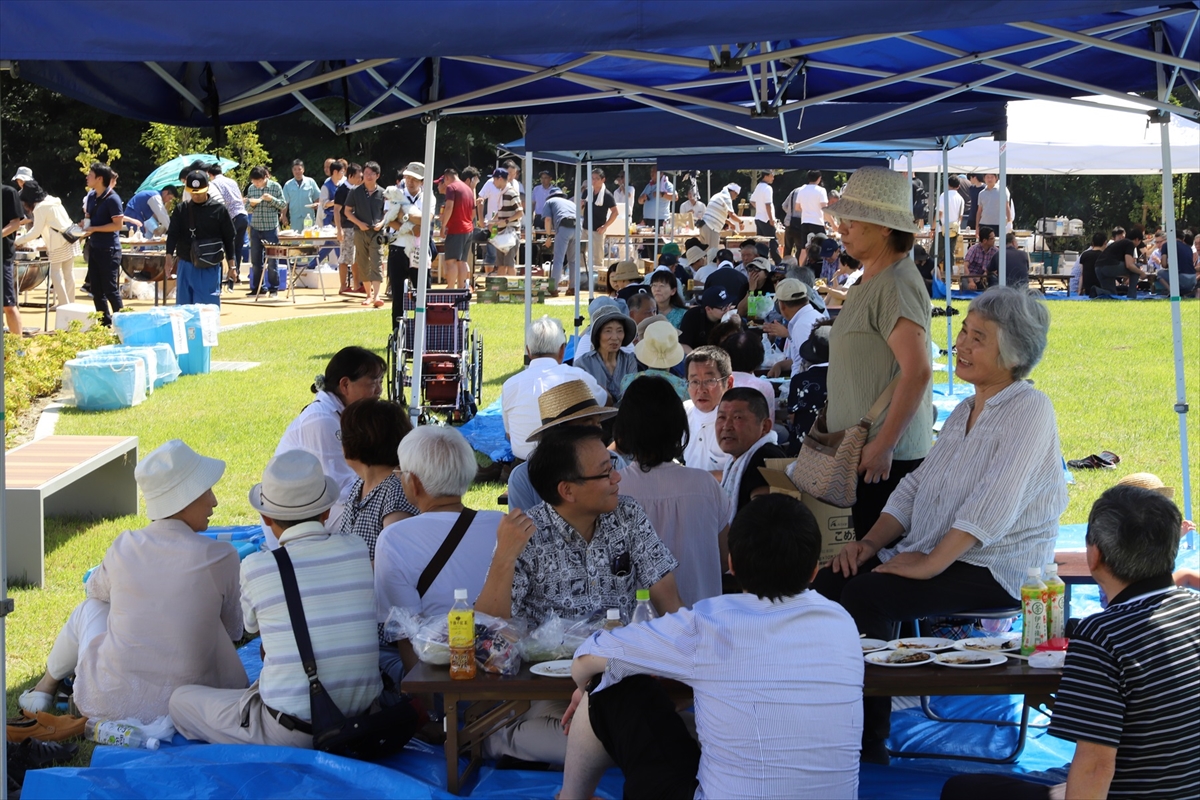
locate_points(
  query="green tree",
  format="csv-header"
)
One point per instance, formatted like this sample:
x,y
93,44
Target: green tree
x,y
171,141
93,149
243,146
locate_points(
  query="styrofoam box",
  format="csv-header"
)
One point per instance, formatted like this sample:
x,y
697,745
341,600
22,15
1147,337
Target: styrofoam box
x,y
65,314
313,278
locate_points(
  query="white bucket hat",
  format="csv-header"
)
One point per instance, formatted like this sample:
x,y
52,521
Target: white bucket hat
x,y
173,475
878,195
293,488
659,347
23,174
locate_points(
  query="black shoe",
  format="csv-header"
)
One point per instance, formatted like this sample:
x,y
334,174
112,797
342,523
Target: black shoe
x,y
272,295
252,293
875,753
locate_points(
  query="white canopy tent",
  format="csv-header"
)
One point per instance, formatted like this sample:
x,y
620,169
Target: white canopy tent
x,y
1052,138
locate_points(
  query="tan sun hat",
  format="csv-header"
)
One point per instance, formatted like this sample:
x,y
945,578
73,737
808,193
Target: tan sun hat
x,y
566,402
659,347
415,169
878,195
627,271
1148,480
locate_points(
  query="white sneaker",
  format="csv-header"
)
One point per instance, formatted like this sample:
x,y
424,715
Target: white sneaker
x,y
34,702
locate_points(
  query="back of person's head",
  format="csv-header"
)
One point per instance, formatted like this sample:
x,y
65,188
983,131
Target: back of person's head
x,y
349,362
1117,232
814,175
214,168
721,331
468,173
804,274
1136,531
556,459
31,193
1099,238
774,546
1010,239
692,242
372,429
544,337
724,254
651,426
849,260
952,182
753,398
715,356
1136,232
745,351
440,458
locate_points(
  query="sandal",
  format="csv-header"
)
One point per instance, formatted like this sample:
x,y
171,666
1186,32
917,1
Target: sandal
x,y
34,754
1102,461
378,304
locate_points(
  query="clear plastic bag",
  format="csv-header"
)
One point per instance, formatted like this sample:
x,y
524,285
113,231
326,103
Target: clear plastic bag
x,y
430,638
558,638
497,641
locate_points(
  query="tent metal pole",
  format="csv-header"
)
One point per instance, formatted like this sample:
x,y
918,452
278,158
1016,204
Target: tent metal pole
x,y
579,196
1168,212
596,269
658,179
428,201
948,270
703,120
527,206
5,608
628,211
1002,234
281,91
1114,47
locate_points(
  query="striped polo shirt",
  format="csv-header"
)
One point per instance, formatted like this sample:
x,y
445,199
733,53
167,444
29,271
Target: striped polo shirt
x,y
1132,681
337,587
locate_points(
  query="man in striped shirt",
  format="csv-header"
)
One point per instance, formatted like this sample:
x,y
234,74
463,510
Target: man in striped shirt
x,y
507,216
1128,697
294,499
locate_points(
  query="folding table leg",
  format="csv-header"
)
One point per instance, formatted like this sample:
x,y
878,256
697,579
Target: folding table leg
x,y
1008,759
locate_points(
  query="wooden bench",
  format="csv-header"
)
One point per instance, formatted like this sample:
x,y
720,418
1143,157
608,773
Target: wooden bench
x,y
60,476
495,700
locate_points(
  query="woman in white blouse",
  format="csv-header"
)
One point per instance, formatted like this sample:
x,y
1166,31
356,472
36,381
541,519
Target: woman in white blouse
x,y
49,220
959,532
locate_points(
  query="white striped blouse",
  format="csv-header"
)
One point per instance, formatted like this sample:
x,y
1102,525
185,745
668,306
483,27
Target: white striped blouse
x,y
1002,483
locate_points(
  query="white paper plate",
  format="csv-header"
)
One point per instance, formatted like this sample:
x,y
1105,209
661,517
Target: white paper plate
x,y
992,659
880,658
872,645
553,669
985,644
931,644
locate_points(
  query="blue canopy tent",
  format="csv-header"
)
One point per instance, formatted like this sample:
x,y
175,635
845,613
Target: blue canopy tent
x,y
161,62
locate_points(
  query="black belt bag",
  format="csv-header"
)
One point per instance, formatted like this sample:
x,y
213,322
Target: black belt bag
x,y
567,223
206,253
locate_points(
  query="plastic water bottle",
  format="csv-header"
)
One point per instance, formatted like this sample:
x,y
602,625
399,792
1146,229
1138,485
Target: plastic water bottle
x,y
118,733
1056,596
612,619
643,611
1033,611
461,625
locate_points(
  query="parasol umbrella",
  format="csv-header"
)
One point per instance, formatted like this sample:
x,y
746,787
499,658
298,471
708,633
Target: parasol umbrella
x,y
168,173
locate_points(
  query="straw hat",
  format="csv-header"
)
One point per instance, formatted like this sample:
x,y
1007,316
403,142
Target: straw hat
x,y
566,402
415,169
695,256
659,347
173,475
294,487
606,315
878,195
627,271
1148,480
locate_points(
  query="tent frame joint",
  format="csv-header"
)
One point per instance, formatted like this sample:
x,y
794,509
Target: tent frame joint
x,y
727,63
1159,117
7,606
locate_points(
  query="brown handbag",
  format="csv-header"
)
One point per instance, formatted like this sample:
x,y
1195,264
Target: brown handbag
x,y
827,465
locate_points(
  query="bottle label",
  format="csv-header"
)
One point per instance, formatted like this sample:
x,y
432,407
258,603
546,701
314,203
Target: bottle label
x,y
461,623
1056,612
1033,623
115,734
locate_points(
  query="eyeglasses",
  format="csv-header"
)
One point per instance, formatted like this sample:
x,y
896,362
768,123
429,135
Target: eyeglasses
x,y
604,476
621,565
707,383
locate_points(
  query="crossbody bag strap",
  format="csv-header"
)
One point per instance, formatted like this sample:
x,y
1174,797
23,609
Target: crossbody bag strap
x,y
882,402
291,594
449,545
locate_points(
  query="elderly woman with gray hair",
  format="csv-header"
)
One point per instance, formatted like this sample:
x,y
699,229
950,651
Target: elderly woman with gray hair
x,y
959,532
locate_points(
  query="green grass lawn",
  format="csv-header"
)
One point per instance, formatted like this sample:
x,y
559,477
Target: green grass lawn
x,y
1108,369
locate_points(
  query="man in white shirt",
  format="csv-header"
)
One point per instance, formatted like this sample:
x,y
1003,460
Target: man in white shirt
x,y
954,199
803,743
717,217
808,212
709,376
763,198
545,343
792,297
491,197
540,193
657,198
693,206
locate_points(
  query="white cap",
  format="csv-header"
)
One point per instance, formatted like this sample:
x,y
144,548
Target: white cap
x,y
1033,572
152,743
1050,569
460,594
614,613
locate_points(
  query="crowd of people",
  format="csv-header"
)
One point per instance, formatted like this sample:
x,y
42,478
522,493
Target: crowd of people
x,y
620,484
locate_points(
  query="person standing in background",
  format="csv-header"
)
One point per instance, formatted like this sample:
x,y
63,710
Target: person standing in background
x,y
105,217
227,190
763,199
301,195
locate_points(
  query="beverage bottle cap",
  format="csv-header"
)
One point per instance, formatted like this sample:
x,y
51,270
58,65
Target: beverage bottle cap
x,y
614,613
1033,572
1051,569
643,594
460,594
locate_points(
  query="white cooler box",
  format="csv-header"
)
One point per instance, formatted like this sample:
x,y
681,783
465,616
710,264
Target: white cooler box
x,y
65,314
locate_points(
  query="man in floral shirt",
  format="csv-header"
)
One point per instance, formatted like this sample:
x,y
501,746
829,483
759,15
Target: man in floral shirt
x,y
583,550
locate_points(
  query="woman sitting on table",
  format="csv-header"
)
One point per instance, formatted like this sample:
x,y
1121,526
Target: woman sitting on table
x,y
959,532
606,361
354,373
371,432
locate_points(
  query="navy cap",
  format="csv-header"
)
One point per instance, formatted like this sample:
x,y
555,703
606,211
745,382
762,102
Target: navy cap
x,y
715,297
828,248
500,172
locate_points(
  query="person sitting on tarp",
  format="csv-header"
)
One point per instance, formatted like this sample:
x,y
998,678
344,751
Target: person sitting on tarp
x,y
1127,695
976,261
1016,264
1119,261
334,572
581,551
1182,252
982,507
163,608
778,719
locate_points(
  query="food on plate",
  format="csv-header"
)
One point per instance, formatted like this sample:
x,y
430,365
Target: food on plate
x,y
993,645
901,657
910,645
964,660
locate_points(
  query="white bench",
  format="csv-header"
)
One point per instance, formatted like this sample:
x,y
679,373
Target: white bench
x,y
60,476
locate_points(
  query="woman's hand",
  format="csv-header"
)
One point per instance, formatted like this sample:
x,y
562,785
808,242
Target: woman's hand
x,y
914,565
852,556
876,462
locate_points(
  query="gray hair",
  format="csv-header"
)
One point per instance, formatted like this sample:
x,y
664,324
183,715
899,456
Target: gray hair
x,y
641,302
1136,531
1022,321
544,337
440,457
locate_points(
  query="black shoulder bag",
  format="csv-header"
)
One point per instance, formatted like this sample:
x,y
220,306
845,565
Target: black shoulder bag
x,y
449,545
206,253
379,732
